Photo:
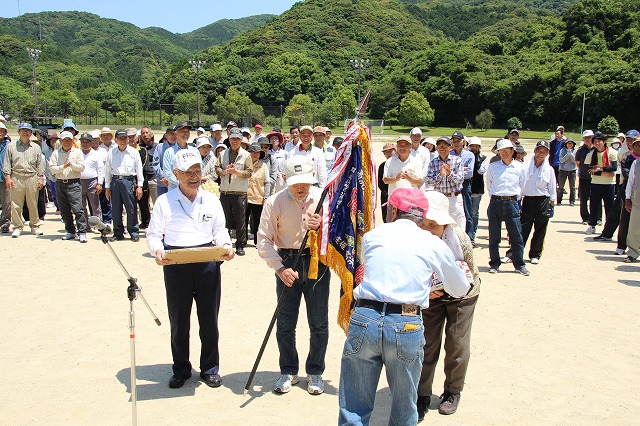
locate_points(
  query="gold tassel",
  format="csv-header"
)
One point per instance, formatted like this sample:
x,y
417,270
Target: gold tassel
x,y
313,264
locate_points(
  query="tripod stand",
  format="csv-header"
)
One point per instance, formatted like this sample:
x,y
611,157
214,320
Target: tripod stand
x,y
133,292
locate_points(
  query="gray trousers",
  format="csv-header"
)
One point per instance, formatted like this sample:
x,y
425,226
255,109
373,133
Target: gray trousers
x,y
25,190
457,345
89,195
69,196
5,200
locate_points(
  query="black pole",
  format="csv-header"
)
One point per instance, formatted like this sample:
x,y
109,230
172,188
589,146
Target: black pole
x,y
281,298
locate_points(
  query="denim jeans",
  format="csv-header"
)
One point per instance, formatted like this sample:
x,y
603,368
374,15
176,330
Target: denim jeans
x,y
507,211
466,201
316,296
475,214
123,195
376,339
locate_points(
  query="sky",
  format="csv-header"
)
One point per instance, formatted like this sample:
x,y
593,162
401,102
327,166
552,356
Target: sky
x,y
180,16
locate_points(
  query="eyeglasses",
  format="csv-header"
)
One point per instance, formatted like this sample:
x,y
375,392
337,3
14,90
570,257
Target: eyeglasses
x,y
193,174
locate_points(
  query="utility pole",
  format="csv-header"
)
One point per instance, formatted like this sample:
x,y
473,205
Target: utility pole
x,y
196,65
584,100
359,65
34,54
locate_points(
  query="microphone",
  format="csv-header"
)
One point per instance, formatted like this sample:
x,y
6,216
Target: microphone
x,y
95,222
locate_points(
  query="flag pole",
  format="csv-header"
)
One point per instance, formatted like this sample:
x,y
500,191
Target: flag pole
x,y
360,109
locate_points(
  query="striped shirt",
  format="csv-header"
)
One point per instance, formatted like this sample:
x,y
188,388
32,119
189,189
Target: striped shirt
x,y
23,160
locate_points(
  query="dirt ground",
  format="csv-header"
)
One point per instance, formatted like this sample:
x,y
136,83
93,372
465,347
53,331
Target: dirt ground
x,y
557,347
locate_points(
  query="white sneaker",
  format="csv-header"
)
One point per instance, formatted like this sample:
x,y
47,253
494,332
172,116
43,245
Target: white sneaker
x,y
37,231
506,259
619,252
82,238
284,383
69,236
590,230
535,260
16,233
315,384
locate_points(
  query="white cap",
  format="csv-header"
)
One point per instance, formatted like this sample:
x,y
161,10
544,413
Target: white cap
x,y
2,126
438,208
95,134
432,141
415,131
298,169
220,145
203,140
65,135
185,158
2,119
215,127
200,129
504,143
474,140
587,133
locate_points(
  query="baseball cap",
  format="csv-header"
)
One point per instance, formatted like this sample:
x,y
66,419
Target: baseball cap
x,y
2,126
245,130
200,130
599,135
258,126
542,143
2,119
235,133
403,139
54,136
95,134
504,143
220,145
131,131
215,127
231,124
410,200
320,129
298,169
444,139
120,133
185,158
66,135
587,133
25,126
458,135
632,133
181,124
304,128
474,140
338,140
432,141
415,131
203,140
514,131
170,129
636,140
438,210
387,146
86,135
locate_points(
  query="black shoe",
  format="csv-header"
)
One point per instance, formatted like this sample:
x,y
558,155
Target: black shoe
x,y
116,238
423,406
211,380
135,239
177,382
449,403
240,251
601,238
4,229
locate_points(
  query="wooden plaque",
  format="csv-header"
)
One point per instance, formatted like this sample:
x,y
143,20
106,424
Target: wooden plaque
x,y
195,255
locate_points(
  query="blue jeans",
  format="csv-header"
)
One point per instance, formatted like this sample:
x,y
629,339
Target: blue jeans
x,y
475,214
316,296
122,195
376,339
507,211
466,201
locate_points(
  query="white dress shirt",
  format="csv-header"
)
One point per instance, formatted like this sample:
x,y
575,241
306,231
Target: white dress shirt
x,y
123,163
182,223
540,181
93,166
399,261
503,180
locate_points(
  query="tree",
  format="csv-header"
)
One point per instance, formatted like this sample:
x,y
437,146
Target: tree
x,y
609,125
186,103
236,105
415,110
299,110
484,120
514,122
109,95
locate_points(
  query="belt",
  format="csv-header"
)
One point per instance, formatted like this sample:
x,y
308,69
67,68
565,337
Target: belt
x,y
305,252
68,180
128,177
233,193
453,194
504,197
389,308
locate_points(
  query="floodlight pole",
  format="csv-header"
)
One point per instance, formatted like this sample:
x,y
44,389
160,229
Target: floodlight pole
x,y
584,99
359,65
34,54
196,65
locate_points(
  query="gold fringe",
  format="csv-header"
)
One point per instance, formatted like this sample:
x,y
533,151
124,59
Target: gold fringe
x,y
313,263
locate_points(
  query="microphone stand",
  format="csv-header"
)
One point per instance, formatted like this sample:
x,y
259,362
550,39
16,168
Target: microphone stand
x,y
133,292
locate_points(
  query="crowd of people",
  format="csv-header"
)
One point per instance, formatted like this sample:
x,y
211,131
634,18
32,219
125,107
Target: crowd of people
x,y
420,277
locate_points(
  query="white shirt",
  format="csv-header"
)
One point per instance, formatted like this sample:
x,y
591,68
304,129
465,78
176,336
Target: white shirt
x,y
93,166
290,145
503,180
423,154
316,156
394,165
181,223
631,182
540,181
280,156
123,163
399,260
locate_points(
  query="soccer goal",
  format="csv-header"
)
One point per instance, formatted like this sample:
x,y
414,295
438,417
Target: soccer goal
x,y
376,126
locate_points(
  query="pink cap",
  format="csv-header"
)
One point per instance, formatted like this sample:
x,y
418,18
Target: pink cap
x,y
410,200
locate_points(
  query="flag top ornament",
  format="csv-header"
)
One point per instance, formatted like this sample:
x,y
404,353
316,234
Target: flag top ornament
x,y
348,211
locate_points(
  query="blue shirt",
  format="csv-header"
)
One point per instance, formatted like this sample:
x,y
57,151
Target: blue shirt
x,y
167,167
468,160
3,149
503,180
399,260
158,156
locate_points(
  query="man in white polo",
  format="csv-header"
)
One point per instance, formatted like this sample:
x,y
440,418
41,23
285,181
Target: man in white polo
x,y
402,170
312,152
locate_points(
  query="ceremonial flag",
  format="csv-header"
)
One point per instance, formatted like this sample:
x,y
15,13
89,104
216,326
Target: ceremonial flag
x,y
348,213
